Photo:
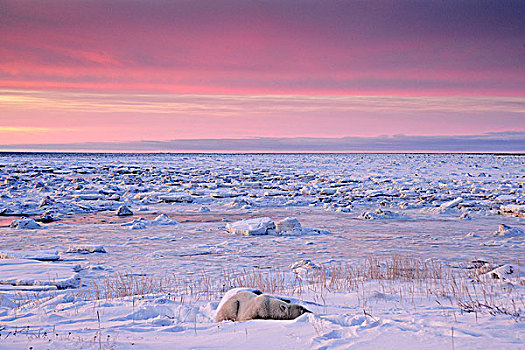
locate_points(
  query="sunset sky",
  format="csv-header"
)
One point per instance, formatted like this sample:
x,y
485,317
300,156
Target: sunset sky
x,y
99,72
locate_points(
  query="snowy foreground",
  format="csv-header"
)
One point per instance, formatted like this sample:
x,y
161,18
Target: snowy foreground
x,y
387,251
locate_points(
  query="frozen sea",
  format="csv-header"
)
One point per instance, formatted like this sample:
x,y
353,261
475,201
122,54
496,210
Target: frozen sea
x,y
392,250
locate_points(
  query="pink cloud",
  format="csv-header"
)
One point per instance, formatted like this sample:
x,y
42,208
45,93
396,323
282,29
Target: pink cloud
x,y
271,47
81,71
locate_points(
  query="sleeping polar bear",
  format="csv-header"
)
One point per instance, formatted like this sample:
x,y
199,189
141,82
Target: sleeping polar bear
x,y
249,305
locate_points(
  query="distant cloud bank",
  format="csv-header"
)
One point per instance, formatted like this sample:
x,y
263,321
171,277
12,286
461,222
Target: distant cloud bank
x,y
510,141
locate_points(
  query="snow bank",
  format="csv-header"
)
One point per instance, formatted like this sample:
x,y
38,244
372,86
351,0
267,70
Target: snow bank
x,y
42,255
27,272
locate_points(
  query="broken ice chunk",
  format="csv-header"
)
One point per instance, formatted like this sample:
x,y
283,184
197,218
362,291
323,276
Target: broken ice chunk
x,y
382,214
164,219
302,267
289,226
47,217
141,223
252,227
25,224
452,203
171,198
124,211
509,231
86,249
513,210
501,273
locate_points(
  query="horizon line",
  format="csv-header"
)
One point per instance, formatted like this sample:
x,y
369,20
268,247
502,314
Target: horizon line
x,y
212,152
512,141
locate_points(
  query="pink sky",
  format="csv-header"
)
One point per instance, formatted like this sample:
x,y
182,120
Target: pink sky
x,y
81,71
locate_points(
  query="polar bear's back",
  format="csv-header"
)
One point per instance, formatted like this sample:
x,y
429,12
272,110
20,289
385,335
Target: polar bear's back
x,y
264,307
235,305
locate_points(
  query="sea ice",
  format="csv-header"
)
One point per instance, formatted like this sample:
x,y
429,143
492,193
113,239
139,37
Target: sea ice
x,y
226,194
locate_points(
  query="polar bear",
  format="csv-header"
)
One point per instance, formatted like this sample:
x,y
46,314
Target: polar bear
x,y
247,305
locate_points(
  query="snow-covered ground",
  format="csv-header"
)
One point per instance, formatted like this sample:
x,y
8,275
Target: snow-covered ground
x,y
135,251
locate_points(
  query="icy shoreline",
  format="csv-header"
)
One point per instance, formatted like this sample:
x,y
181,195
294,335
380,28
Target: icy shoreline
x,y
451,209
